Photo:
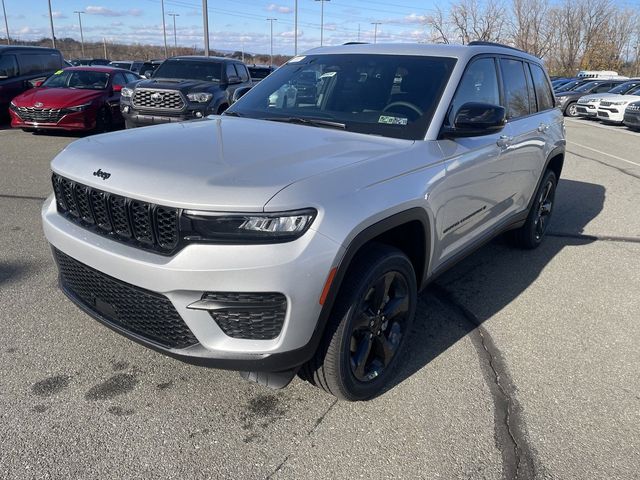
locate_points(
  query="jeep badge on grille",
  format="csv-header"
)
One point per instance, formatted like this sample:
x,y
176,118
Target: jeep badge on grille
x,y
101,174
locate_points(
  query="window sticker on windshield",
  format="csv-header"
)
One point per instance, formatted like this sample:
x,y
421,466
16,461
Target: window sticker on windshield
x,y
297,59
328,75
58,72
386,119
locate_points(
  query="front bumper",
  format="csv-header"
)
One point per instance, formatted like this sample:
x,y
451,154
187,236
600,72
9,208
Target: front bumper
x,y
76,121
611,114
632,119
141,118
587,110
297,269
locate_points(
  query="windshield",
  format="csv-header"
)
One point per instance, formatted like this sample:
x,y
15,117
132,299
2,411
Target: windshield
x,y
190,69
587,87
624,87
570,85
78,79
258,73
125,65
389,95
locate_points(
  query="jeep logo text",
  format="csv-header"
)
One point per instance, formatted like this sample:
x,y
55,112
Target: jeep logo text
x,y
101,174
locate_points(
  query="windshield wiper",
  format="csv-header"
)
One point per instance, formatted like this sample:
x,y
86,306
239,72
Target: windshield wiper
x,y
233,114
316,122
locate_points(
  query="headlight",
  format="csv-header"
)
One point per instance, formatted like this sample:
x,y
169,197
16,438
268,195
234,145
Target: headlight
x,y
126,92
79,108
200,97
247,228
12,105
619,103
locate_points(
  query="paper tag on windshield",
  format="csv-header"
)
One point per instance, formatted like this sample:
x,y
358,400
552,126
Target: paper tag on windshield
x,y
58,72
299,58
388,120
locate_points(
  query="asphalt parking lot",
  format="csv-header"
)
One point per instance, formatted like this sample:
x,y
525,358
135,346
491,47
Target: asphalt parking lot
x,y
522,364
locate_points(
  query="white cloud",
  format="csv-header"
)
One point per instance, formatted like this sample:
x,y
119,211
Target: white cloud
x,y
272,7
58,15
107,12
291,34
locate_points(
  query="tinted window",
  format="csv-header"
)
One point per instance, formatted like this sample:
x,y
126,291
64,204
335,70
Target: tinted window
x,y
389,95
189,69
515,87
130,77
587,87
8,66
625,87
119,79
125,65
258,73
479,83
542,88
242,72
231,72
605,87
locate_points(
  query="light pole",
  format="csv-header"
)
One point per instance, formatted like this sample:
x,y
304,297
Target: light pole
x,y
205,19
321,20
175,36
375,31
81,35
295,29
6,22
271,20
164,30
53,33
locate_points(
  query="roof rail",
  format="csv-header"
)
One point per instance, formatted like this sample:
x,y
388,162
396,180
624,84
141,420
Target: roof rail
x,y
493,44
355,43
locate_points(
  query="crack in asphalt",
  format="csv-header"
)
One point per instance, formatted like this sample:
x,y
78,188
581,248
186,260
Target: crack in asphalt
x,y
518,457
594,238
309,433
619,169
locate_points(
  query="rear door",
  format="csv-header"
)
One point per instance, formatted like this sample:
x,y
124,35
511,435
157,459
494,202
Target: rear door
x,y
532,131
118,82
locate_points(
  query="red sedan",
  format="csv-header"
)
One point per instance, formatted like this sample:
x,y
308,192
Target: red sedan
x,y
76,98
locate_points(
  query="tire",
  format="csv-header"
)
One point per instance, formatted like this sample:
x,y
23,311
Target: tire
x,y
531,234
28,130
571,110
103,121
359,351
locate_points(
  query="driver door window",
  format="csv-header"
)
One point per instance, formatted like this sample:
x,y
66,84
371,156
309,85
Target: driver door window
x,y
479,83
8,66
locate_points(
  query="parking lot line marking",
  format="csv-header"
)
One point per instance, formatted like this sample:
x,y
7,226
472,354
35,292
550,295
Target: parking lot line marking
x,y
604,153
588,123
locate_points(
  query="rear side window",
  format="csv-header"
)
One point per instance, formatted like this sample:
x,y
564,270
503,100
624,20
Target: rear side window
x,y
242,72
8,66
231,71
479,83
542,88
130,77
605,87
38,63
515,87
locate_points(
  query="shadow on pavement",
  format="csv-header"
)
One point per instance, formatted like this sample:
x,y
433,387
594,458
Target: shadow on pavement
x,y
435,329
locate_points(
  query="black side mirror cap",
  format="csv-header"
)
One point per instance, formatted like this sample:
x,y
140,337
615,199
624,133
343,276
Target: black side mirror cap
x,y
239,93
475,119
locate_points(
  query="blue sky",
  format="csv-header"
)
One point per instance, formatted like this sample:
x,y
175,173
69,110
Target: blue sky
x,y
232,23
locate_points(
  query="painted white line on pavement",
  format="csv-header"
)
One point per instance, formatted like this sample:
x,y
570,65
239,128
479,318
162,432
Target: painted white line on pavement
x,y
604,153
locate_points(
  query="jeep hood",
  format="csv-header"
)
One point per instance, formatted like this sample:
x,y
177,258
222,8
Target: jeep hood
x,y
220,163
591,96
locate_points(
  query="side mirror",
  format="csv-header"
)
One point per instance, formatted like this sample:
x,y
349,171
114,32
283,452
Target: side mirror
x,y
117,88
38,83
233,79
239,93
474,119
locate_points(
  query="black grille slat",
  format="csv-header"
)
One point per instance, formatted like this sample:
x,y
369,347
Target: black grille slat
x,y
145,313
141,221
158,99
141,224
263,322
119,216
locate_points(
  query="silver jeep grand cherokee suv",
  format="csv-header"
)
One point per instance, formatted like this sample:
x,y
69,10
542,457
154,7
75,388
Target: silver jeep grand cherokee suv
x,y
294,232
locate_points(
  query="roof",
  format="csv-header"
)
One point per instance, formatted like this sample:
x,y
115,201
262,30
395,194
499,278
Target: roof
x,y
203,57
421,49
97,68
6,48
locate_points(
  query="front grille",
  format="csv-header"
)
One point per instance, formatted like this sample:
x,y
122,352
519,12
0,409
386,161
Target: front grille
x,y
604,103
158,99
142,224
40,115
250,316
145,313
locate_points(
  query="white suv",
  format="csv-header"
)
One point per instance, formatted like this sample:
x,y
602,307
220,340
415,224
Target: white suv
x,y
611,110
587,106
297,234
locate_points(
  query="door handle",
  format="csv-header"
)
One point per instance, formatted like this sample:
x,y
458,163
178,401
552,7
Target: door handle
x,y
543,127
504,141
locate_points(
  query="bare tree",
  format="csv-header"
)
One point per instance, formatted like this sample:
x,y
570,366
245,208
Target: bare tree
x,y
472,20
531,28
439,26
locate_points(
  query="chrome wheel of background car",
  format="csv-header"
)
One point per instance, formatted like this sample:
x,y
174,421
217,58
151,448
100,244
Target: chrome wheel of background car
x,y
545,207
572,110
379,326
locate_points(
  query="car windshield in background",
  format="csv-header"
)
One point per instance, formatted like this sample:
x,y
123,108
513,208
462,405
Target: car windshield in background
x,y
388,95
570,85
586,87
189,69
258,73
125,65
78,79
625,87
